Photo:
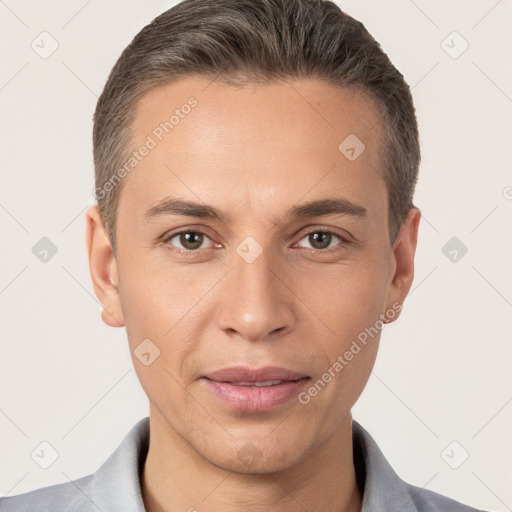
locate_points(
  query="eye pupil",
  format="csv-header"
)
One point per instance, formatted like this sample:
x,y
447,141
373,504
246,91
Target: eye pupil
x,y
321,238
194,240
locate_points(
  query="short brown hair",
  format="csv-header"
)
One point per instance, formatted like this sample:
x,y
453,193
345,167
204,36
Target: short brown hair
x,y
244,41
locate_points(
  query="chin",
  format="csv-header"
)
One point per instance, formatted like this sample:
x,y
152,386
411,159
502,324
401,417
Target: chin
x,y
264,466
254,457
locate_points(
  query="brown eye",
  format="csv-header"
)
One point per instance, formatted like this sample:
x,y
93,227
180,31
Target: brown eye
x,y
187,240
322,239
191,240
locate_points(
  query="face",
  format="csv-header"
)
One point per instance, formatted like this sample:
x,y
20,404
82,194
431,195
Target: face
x,y
254,254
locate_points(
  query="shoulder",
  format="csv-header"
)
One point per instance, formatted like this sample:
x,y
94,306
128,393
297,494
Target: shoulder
x,y
383,489
430,501
63,497
114,486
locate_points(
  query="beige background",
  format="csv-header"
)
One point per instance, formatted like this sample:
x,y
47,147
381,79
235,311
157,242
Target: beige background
x,y
443,373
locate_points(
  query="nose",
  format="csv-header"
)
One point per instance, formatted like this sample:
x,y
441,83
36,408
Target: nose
x,y
255,303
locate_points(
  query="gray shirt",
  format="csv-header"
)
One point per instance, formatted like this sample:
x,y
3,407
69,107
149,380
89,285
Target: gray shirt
x,y
116,484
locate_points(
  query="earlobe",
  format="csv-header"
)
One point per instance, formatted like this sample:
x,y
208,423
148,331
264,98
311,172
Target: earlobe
x,y
103,268
404,250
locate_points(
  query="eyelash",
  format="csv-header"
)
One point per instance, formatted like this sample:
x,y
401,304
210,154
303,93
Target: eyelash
x,y
192,252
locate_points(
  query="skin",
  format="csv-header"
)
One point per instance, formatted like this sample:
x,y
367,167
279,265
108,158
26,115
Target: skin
x,y
253,153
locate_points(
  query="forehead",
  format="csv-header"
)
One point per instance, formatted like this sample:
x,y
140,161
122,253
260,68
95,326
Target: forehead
x,y
261,110
254,142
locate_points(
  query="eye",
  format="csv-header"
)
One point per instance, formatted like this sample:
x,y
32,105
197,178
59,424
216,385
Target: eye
x,y
188,240
322,239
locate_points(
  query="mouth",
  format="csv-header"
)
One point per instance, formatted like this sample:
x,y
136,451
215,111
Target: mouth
x,y
255,390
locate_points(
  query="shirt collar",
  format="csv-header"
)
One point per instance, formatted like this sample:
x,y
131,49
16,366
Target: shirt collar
x,y
381,487
116,484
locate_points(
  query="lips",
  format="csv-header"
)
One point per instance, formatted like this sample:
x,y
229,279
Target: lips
x,y
259,384
254,390
244,374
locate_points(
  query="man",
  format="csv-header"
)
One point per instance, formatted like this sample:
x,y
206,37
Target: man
x,y
255,229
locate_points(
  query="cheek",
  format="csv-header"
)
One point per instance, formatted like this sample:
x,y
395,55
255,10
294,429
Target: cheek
x,y
154,295
168,306
350,346
350,304
158,309
349,298
149,305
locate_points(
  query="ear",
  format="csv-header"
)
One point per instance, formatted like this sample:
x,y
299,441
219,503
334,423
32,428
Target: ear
x,y
103,268
402,262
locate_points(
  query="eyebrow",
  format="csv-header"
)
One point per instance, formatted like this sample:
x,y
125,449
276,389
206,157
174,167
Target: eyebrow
x,y
174,206
323,207
317,208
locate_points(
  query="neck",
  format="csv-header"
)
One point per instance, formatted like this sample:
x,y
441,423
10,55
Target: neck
x,y
176,477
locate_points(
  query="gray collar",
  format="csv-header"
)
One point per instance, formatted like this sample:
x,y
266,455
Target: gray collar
x,y
382,488
116,484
